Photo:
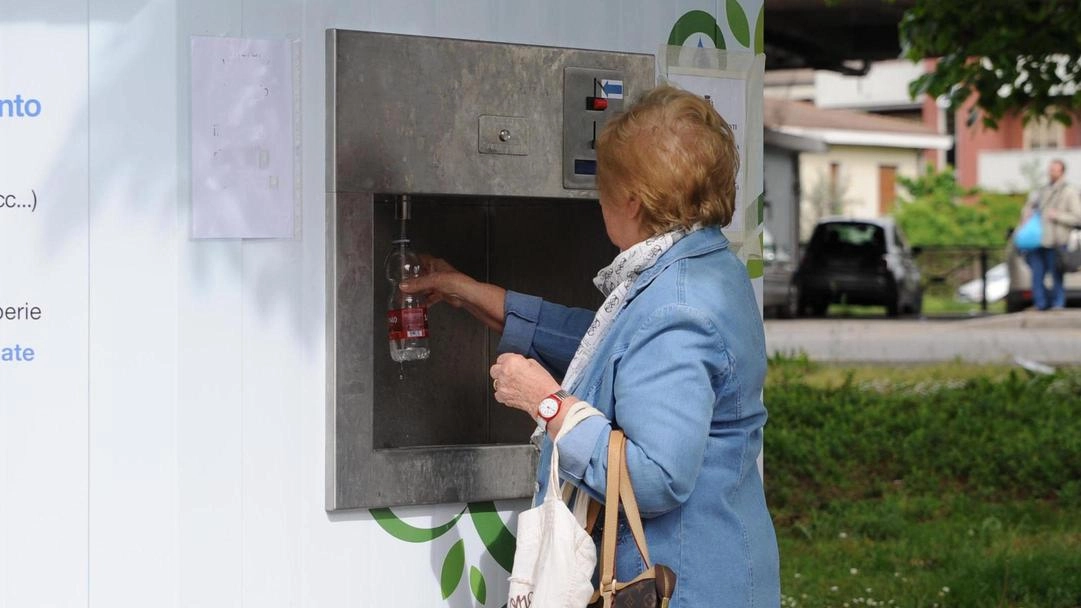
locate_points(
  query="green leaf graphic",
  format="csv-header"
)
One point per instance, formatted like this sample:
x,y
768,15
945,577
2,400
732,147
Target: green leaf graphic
x,y
411,534
737,21
754,268
453,566
476,583
494,533
760,31
696,22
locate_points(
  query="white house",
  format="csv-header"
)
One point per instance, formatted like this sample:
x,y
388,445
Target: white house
x,y
867,153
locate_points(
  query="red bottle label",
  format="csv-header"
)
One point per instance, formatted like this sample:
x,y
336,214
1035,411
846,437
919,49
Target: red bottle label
x,y
405,323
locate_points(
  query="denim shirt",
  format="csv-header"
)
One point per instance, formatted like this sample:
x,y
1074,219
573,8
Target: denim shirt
x,y
681,372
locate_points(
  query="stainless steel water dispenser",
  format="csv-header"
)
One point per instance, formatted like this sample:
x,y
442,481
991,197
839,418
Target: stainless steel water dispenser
x,y
493,143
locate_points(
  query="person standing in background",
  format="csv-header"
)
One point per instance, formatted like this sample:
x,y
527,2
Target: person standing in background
x,y
1059,205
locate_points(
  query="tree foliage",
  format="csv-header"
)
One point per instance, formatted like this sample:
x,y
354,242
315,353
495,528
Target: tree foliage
x,y
935,212
1015,55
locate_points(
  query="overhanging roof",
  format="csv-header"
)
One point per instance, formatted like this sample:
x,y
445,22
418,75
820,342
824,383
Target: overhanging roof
x,y
847,127
877,139
793,142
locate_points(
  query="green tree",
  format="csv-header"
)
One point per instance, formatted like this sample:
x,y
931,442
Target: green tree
x,y
1015,55
937,211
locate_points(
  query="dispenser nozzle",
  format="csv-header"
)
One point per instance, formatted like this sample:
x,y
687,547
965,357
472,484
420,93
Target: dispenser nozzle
x,y
403,208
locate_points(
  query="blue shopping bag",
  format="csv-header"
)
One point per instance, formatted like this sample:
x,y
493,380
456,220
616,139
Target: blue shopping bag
x,y
1028,236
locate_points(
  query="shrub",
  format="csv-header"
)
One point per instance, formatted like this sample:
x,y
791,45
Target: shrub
x,y
934,212
928,487
1010,438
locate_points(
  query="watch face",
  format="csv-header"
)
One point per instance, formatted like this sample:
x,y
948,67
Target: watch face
x,y
548,408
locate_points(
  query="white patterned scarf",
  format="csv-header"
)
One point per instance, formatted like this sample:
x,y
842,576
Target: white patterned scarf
x,y
614,281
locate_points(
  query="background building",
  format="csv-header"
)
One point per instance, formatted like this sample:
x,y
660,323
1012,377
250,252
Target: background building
x,y
866,153
1010,158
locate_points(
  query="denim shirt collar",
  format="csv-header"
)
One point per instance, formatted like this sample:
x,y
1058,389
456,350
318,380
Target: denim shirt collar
x,y
694,244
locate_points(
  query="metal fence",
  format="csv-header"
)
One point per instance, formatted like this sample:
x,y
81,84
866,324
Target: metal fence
x,y
945,268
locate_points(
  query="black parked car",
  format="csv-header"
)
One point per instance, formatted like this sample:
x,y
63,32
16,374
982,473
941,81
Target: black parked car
x,y
859,261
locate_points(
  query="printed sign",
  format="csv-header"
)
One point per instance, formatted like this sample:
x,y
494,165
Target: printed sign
x,y
729,98
612,89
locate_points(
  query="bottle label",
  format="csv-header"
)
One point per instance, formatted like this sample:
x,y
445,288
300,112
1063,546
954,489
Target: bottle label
x,y
408,323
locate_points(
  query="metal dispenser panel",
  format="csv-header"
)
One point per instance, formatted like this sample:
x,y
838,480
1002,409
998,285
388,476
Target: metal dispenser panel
x,y
482,238
473,132
590,98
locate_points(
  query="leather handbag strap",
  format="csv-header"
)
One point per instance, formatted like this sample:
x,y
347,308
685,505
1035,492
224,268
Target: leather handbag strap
x,y
611,516
630,509
619,490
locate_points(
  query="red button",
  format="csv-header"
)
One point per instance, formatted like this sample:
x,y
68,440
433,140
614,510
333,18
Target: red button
x,y
597,104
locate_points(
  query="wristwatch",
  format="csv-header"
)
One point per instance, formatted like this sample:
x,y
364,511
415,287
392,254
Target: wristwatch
x,y
550,406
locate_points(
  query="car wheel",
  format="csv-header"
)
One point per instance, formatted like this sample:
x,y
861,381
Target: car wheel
x,y
893,308
1014,302
812,306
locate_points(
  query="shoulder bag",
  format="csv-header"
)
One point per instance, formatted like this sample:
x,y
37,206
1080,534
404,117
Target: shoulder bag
x,y
654,586
1069,257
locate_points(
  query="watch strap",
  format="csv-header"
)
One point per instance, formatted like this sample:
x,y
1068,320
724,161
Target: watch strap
x,y
559,396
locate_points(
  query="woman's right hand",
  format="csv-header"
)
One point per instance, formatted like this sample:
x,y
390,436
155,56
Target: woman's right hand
x,y
441,282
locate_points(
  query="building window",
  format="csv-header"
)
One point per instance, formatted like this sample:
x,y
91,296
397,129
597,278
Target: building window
x,y
1044,134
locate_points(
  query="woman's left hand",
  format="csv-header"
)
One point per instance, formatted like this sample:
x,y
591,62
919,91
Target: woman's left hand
x,y
521,383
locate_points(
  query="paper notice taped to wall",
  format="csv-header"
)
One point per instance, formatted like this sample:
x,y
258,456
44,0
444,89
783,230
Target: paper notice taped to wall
x,y
242,138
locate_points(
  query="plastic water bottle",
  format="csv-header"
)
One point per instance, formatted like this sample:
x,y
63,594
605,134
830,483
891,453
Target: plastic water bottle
x,y
407,315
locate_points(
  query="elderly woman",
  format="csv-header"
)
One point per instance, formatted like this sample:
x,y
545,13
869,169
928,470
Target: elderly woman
x,y
675,356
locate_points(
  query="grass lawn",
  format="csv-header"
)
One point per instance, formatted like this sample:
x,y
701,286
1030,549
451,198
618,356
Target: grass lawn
x,y
921,551
925,486
932,306
937,305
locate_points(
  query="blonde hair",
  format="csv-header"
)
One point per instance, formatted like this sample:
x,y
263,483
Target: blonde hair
x,y
674,153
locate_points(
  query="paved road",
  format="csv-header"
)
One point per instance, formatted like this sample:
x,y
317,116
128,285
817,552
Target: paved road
x,y
1052,337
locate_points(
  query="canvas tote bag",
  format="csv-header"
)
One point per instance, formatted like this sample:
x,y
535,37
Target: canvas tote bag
x,y
555,557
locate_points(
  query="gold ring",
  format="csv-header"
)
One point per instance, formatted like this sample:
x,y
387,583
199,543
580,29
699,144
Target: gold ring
x,y
495,384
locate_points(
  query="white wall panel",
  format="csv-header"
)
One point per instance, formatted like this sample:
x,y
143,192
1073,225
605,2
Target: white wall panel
x,y
337,557
133,304
272,408
43,258
1023,170
209,423
209,363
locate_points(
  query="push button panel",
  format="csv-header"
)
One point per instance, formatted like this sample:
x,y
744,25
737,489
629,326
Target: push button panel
x,y
590,97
